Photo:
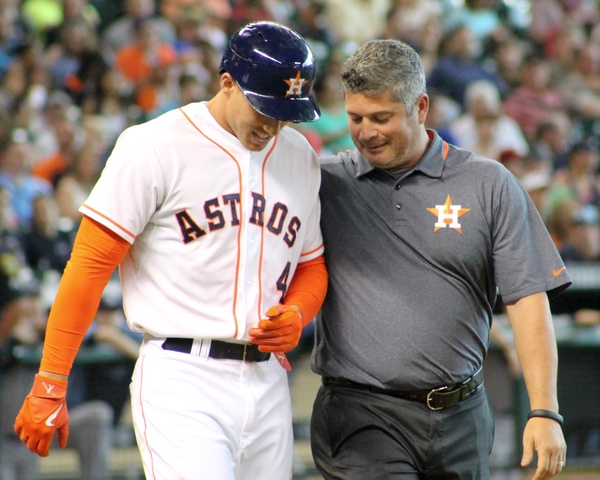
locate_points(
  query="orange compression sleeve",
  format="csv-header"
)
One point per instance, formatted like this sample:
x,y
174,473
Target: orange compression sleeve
x,y
97,252
308,288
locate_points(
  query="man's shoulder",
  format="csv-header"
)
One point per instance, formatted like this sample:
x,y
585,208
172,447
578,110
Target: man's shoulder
x,y
339,159
166,119
465,162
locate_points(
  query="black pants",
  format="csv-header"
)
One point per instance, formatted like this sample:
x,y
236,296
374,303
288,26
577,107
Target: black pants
x,y
360,435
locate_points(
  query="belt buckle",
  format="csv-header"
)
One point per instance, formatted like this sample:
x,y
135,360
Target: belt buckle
x,y
431,392
244,354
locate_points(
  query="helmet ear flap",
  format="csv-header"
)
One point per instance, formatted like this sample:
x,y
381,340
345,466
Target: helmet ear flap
x,y
275,69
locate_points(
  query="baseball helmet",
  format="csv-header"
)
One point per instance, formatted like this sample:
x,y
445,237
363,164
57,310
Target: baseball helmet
x,y
275,69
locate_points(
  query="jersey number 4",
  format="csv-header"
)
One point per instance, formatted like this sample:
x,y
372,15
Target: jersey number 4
x,y
282,281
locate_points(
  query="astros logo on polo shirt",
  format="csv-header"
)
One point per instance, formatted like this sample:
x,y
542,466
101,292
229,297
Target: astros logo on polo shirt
x,y
447,215
296,85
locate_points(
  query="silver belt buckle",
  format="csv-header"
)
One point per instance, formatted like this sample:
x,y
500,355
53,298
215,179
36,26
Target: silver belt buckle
x,y
244,356
431,392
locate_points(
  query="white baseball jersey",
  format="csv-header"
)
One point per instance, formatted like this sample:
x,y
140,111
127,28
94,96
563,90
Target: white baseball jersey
x,y
216,230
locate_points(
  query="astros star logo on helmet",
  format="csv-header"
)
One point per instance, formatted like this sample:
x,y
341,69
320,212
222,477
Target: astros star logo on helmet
x,y
295,85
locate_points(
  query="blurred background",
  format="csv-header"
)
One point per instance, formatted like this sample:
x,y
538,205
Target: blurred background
x,y
516,81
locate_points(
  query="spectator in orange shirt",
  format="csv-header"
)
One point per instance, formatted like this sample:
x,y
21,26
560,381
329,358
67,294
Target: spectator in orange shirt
x,y
54,165
137,60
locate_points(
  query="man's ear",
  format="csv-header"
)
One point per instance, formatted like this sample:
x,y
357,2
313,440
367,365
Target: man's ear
x,y
227,83
422,107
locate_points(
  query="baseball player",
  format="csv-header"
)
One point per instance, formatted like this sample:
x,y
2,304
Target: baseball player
x,y
211,212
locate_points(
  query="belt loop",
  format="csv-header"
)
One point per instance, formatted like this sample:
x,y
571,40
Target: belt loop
x,y
204,348
196,347
245,351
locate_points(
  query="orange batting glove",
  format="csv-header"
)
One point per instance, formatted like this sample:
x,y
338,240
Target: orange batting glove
x,y
280,332
43,412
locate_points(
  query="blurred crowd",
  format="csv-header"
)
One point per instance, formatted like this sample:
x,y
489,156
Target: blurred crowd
x,y
515,81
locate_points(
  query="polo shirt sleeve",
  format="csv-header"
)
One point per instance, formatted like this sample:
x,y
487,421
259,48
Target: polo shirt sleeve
x,y
525,258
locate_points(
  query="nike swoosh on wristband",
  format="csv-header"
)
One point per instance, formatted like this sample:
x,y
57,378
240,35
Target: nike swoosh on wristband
x,y
556,273
50,419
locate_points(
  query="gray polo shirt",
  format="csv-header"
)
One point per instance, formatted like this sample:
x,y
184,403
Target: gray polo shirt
x,y
415,264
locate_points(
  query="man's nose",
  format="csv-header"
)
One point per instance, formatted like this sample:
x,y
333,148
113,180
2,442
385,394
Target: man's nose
x,y
367,130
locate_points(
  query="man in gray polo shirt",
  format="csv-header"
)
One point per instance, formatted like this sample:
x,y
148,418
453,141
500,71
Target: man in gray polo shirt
x,y
420,237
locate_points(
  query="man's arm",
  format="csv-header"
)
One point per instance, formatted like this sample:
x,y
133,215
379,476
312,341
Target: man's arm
x,y
535,342
96,253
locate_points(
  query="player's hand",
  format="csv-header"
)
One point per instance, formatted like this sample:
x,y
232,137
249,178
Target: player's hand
x,y
544,436
280,332
43,412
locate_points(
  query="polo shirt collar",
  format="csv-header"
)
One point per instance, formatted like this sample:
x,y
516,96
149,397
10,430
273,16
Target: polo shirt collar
x,y
431,163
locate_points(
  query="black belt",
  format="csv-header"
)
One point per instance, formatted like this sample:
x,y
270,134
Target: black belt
x,y
247,352
435,398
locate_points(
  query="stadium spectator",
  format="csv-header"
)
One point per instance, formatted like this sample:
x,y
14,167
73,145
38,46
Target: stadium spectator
x,y
15,31
75,43
574,227
537,183
579,180
459,65
69,137
483,128
354,21
122,31
136,60
75,11
534,100
16,178
480,16
309,21
46,243
552,140
580,87
246,11
76,182
408,19
548,18
506,57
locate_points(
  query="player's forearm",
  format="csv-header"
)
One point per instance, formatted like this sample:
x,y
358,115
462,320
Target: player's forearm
x,y
535,343
308,288
96,254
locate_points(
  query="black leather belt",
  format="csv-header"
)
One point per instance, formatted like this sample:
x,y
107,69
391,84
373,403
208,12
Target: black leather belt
x,y
435,398
247,352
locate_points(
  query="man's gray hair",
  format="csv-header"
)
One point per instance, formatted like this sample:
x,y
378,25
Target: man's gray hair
x,y
381,66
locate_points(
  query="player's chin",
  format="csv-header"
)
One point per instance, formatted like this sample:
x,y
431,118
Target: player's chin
x,y
254,143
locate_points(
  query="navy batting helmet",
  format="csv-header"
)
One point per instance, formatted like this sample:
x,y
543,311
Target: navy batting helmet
x,y
275,69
